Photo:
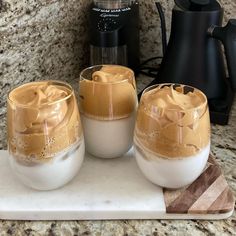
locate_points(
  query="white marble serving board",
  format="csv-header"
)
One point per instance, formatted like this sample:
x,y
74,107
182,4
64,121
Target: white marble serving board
x,y
103,189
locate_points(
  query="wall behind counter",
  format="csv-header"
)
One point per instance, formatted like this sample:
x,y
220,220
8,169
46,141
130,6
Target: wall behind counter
x,y
47,39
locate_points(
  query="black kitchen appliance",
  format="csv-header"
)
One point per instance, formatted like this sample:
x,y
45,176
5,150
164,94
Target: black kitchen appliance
x,y
194,55
114,33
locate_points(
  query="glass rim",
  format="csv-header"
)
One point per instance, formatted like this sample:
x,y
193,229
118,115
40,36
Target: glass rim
x,y
149,88
45,104
101,65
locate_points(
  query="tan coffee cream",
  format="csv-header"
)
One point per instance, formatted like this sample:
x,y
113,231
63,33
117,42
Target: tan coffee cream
x,y
43,120
173,124
110,94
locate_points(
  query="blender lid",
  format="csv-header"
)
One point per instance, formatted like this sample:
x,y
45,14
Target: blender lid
x,y
198,5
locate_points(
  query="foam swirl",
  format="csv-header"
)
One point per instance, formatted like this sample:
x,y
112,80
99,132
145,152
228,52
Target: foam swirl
x,y
43,119
172,122
109,94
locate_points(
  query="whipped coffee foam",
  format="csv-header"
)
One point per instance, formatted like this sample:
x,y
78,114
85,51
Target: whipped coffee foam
x,y
172,122
109,94
43,120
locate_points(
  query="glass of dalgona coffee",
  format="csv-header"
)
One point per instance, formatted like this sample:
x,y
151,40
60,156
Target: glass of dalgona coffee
x,y
45,138
108,104
172,134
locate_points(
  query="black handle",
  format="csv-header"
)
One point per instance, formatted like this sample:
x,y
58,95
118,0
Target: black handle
x,y
227,35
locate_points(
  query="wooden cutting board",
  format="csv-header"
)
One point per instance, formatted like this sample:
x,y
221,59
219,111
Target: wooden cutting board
x,y
209,194
115,189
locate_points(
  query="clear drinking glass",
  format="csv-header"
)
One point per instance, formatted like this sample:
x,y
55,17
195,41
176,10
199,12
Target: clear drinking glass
x,y
172,134
108,103
45,138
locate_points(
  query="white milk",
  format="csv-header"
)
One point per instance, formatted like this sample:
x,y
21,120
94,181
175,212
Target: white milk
x,y
108,139
172,172
53,174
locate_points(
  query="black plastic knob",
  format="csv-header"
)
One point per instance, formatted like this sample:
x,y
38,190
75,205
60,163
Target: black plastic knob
x,y
227,35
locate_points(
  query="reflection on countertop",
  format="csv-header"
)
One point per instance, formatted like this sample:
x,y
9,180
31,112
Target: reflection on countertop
x,y
223,147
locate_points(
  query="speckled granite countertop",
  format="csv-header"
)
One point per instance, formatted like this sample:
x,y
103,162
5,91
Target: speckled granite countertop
x,y
223,147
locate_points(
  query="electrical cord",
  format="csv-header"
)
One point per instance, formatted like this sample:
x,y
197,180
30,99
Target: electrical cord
x,y
153,71
163,26
148,60
148,70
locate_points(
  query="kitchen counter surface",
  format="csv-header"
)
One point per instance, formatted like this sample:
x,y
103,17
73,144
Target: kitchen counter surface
x,y
223,147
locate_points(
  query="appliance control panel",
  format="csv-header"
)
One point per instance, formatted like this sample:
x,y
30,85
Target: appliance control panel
x,y
109,19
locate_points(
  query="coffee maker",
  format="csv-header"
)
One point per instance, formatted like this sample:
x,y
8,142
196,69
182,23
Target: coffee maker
x,y
194,55
114,33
